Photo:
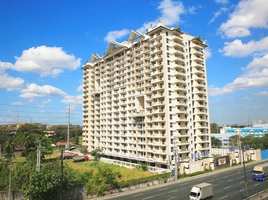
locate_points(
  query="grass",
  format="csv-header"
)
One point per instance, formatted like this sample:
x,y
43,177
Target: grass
x,y
127,174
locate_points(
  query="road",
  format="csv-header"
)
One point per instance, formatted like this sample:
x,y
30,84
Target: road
x,y
228,184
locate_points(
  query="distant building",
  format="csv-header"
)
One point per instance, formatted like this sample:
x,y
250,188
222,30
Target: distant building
x,y
257,130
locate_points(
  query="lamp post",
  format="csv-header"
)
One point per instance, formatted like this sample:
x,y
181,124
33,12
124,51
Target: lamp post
x,y
175,155
10,175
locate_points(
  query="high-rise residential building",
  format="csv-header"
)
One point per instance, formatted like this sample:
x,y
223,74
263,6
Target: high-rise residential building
x,y
146,99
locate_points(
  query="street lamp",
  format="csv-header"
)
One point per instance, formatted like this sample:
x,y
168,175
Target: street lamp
x,y
10,173
175,155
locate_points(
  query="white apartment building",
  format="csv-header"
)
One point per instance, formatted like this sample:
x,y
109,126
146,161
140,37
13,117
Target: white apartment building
x,y
146,99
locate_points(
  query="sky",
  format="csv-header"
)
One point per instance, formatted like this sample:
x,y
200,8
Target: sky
x,y
44,44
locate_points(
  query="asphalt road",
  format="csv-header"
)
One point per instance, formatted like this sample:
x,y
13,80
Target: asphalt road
x,y
228,184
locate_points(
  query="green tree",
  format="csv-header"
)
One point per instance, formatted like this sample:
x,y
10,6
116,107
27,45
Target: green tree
x,y
97,154
214,128
235,140
26,140
46,184
4,178
105,179
215,142
9,147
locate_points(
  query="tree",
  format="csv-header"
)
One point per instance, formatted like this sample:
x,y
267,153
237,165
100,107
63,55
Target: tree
x,y
46,184
4,178
96,154
215,142
214,128
105,179
26,140
9,147
234,140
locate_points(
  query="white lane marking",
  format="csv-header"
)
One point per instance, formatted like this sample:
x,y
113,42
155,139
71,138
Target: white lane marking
x,y
163,189
256,184
230,180
211,180
225,176
241,190
227,187
224,197
172,198
137,195
172,191
148,197
241,182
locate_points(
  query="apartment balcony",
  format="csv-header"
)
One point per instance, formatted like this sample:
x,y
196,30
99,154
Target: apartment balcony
x,y
197,64
96,91
157,65
199,91
177,44
198,58
157,88
160,160
164,152
183,150
199,105
178,58
198,71
203,141
179,66
199,84
157,72
156,51
182,127
197,51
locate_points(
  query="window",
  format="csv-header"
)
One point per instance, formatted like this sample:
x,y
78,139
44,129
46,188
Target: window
x,y
168,62
166,33
167,47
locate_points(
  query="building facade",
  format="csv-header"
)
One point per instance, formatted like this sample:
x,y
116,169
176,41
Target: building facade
x,y
146,99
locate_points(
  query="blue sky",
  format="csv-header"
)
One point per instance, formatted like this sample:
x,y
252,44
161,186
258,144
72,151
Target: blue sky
x,y
43,45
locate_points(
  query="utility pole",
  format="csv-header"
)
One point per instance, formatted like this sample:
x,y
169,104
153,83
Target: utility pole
x,y
175,155
10,175
244,167
68,133
61,179
38,160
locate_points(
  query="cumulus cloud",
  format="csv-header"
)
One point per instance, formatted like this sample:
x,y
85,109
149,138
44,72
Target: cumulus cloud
x,y
218,13
238,49
170,14
112,36
18,103
262,93
255,75
46,61
73,99
33,91
247,14
43,103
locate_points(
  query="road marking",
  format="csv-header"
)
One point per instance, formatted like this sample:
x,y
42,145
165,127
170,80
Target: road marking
x,y
225,176
224,197
172,198
137,195
211,180
230,180
149,197
172,191
256,184
241,190
241,182
227,187
163,189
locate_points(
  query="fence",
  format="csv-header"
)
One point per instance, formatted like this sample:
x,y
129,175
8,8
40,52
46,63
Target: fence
x,y
15,195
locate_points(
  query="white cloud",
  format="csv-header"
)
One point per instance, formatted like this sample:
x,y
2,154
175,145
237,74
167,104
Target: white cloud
x,y
238,49
43,103
255,75
247,14
73,99
112,36
208,53
33,91
46,61
262,93
170,14
80,88
218,13
222,1
18,103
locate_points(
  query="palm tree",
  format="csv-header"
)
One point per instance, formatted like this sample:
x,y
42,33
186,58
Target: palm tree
x,y
9,147
26,140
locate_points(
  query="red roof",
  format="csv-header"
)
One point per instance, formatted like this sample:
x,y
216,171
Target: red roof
x,y
63,143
